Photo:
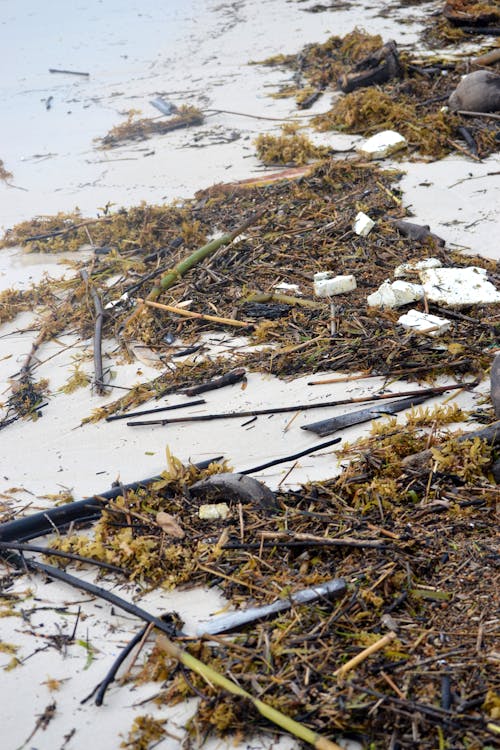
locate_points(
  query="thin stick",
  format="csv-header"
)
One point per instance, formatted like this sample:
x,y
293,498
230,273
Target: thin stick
x,y
293,457
215,678
110,676
344,379
114,417
185,265
323,540
99,310
69,72
479,114
363,655
229,378
304,407
198,316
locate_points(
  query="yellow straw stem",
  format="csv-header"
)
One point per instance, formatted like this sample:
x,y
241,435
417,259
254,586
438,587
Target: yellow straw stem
x,y
198,316
215,678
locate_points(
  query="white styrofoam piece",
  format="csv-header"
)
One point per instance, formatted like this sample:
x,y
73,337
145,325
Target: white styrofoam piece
x,y
327,286
284,287
382,144
363,225
458,287
433,325
213,511
395,294
418,265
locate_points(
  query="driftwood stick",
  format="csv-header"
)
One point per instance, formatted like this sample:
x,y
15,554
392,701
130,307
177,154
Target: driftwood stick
x,y
363,655
293,457
303,407
99,312
114,417
230,378
110,676
197,316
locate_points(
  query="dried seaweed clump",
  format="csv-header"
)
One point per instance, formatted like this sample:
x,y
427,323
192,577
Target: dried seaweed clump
x,y
370,110
141,129
290,148
141,532
25,399
322,64
4,173
146,732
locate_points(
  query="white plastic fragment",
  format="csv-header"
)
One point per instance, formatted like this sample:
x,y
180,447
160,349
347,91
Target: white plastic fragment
x,y
213,511
458,287
420,322
395,294
419,265
382,144
284,287
116,302
363,225
326,285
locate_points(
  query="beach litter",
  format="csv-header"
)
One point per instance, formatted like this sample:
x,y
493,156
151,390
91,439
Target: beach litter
x,y
363,225
346,596
392,294
420,322
382,144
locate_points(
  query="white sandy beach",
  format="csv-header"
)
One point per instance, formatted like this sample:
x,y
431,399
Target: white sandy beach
x,y
190,52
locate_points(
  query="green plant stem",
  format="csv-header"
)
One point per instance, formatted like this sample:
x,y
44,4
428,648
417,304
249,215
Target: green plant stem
x,y
270,713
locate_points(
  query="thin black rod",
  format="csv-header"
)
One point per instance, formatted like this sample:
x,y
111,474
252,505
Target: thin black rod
x,y
293,457
301,407
110,676
197,402
61,517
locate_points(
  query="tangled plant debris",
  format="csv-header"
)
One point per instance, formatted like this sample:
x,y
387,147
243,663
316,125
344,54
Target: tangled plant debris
x,y
387,89
300,227
415,543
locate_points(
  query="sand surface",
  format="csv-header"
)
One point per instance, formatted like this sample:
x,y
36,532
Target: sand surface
x,y
189,52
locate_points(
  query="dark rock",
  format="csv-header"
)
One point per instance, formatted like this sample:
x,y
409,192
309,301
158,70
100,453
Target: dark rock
x,y
477,92
229,488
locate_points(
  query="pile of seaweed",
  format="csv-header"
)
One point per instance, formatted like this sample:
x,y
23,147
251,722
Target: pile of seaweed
x,y
459,21
409,100
301,226
409,524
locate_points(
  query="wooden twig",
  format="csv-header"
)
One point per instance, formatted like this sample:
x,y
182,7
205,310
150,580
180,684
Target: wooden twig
x,y
197,316
69,72
110,676
229,378
363,655
293,457
303,407
140,413
99,318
